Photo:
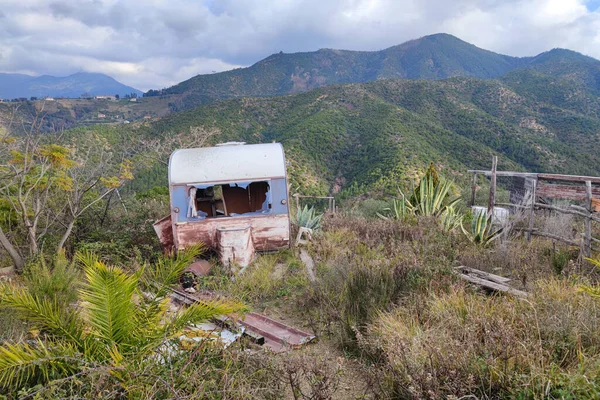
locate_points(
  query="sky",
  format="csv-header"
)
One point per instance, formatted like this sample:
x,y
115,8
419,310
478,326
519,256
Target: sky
x,y
151,44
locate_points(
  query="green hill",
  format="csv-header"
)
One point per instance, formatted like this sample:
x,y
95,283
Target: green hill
x,y
369,136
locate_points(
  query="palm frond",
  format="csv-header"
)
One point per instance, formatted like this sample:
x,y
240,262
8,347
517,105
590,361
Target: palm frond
x,y
165,272
44,313
22,363
108,301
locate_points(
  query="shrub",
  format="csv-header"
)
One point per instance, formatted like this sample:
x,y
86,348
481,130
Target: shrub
x,y
464,344
115,329
56,283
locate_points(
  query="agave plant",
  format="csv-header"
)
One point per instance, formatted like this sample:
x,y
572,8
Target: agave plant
x,y
451,219
400,209
431,201
482,231
115,326
308,218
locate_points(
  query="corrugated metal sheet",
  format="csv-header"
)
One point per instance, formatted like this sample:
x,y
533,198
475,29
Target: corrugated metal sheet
x,y
227,163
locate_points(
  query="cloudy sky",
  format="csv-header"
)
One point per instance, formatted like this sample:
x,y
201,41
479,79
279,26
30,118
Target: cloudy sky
x,y
156,43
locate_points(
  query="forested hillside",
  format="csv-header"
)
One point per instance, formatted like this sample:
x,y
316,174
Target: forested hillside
x,y
364,136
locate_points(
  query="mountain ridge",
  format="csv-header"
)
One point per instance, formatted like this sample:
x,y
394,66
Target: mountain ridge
x,y
71,86
431,57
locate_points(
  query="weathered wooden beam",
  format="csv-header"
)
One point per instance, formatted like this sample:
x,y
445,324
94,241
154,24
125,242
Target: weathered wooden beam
x,y
483,274
569,178
532,209
473,189
492,198
493,285
571,192
588,220
556,237
504,173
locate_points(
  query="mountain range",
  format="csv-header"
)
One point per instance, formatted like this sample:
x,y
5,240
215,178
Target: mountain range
x,y
433,57
72,86
356,122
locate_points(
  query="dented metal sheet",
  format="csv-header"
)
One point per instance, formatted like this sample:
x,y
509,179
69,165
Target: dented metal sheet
x,y
227,163
164,231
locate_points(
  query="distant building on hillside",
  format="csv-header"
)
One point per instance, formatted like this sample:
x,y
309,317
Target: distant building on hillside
x,y
100,115
133,99
105,97
49,98
147,117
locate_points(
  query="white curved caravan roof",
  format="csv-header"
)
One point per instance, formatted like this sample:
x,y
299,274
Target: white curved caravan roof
x,y
227,163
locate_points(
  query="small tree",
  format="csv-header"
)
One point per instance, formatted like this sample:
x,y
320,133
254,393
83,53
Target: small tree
x,y
46,186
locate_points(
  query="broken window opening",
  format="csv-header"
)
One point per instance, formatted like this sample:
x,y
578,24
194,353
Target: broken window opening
x,y
229,200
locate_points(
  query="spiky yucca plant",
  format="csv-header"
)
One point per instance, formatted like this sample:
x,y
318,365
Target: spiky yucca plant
x,y
482,231
116,326
432,200
308,218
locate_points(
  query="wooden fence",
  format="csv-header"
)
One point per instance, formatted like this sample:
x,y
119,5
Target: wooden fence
x,y
540,187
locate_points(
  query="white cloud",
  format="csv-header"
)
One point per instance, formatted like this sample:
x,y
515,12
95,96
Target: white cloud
x,y
156,43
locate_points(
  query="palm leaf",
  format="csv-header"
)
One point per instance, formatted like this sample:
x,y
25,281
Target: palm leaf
x,y
44,314
108,301
22,363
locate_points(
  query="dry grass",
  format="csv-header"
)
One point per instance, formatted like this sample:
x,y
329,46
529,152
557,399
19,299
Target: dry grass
x,y
464,343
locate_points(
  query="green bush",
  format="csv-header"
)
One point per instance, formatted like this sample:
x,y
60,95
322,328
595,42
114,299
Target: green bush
x,y
57,282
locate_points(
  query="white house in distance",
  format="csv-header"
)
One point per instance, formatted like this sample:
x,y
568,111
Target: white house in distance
x,y
105,97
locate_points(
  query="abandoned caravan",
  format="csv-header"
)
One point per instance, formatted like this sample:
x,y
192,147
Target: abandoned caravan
x,y
232,197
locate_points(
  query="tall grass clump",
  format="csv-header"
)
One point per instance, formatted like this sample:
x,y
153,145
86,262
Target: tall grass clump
x,y
366,266
466,344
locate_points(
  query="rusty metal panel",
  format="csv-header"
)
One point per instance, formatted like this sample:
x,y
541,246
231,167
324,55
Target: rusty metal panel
x,y
572,192
235,246
227,163
268,232
164,231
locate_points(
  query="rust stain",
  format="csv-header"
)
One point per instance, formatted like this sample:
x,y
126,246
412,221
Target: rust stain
x,y
164,231
267,232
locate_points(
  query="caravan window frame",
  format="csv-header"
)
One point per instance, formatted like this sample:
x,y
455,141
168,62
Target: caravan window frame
x,y
245,184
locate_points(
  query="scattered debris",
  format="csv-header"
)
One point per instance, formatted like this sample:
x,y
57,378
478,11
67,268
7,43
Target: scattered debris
x,y
209,331
309,264
262,330
489,281
304,232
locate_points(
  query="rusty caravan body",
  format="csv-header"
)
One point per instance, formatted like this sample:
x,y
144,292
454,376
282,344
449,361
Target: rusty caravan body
x,y
232,198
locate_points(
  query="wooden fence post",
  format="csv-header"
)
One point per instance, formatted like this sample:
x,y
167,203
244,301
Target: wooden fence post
x,y
588,219
473,189
532,209
492,199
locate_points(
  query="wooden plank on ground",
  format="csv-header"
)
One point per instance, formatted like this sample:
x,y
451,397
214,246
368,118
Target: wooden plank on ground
x,y
483,274
493,285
